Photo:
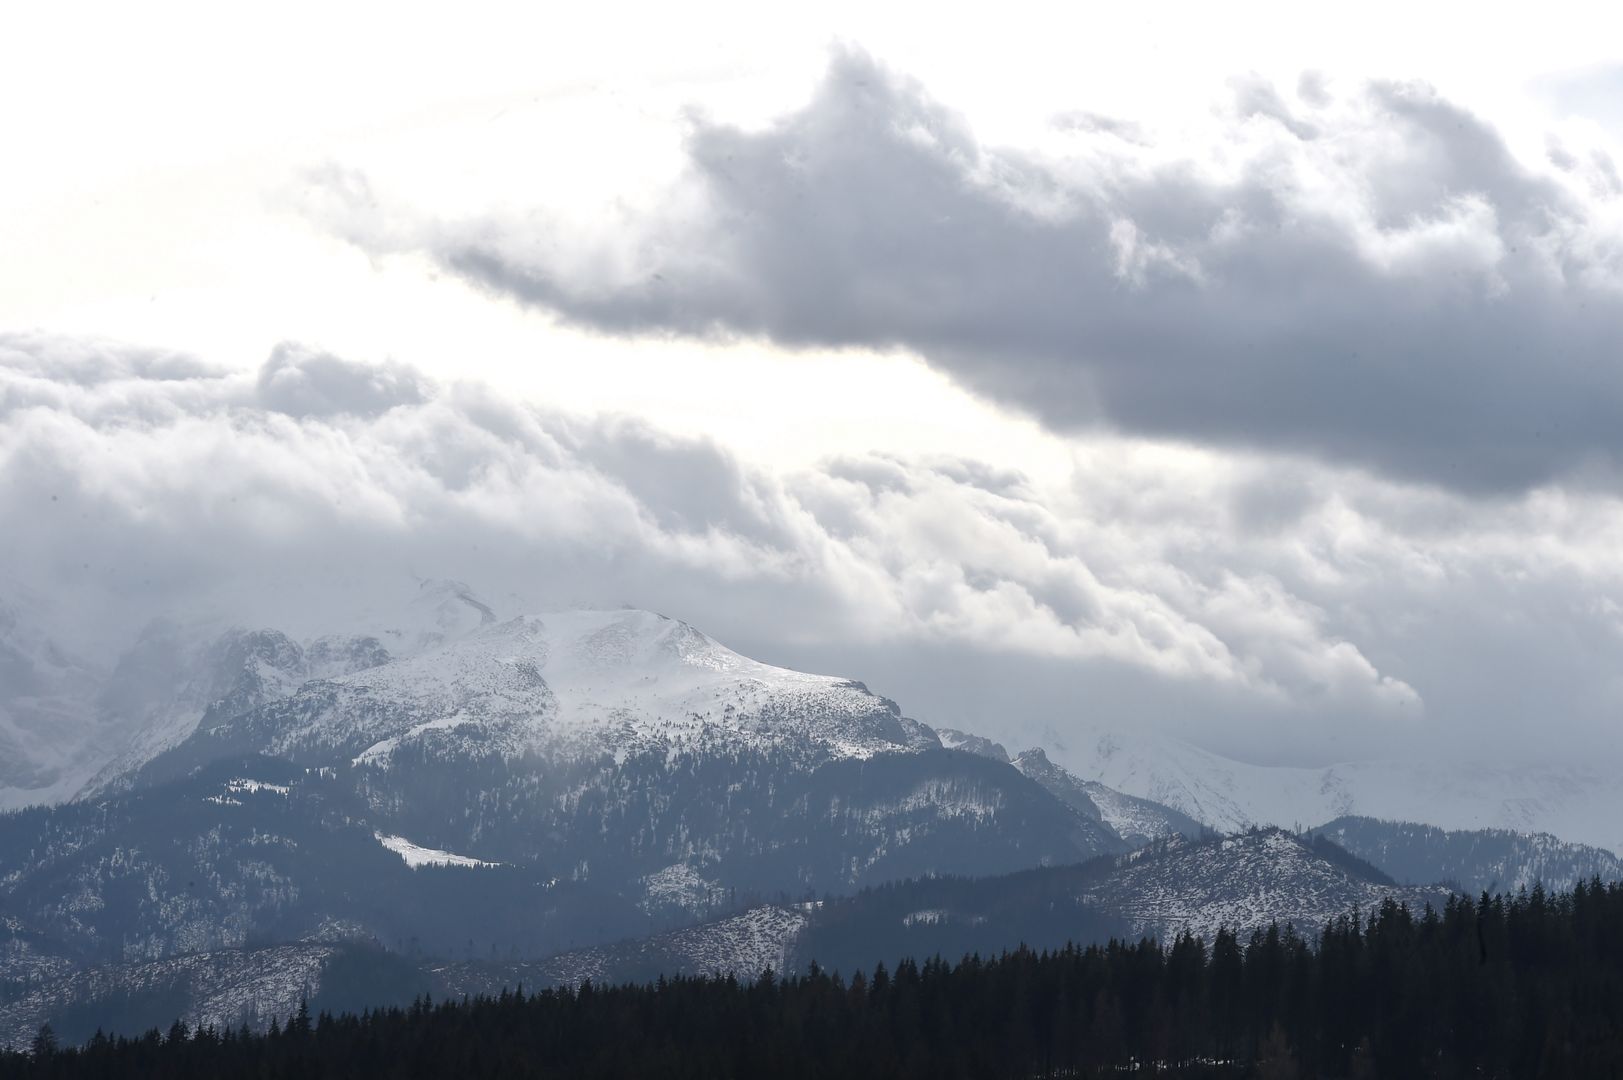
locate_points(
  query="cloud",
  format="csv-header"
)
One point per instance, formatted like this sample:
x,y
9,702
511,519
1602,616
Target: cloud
x,y
302,382
1275,610
135,495
1371,279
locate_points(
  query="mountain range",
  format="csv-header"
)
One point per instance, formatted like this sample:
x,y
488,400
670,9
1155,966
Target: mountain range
x,y
443,798
1174,886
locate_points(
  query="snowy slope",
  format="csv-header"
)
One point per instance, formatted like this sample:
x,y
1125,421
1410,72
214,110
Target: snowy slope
x,y
578,683
1577,804
953,739
175,679
415,855
1134,819
219,989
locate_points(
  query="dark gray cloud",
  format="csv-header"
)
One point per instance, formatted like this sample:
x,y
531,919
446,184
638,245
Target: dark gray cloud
x,y
1371,280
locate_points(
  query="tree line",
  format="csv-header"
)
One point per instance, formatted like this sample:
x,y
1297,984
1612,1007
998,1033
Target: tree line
x,y
1524,985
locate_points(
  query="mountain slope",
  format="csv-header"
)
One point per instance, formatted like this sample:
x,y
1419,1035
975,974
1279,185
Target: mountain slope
x,y
1476,860
568,685
1239,882
173,681
1135,820
1242,881
592,773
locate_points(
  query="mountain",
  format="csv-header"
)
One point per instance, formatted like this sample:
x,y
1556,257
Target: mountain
x,y
1476,860
72,728
1242,883
1135,820
1579,804
953,739
567,685
530,786
171,681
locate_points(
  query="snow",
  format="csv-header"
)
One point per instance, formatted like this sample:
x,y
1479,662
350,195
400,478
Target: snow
x,y
242,785
679,885
936,916
415,855
590,682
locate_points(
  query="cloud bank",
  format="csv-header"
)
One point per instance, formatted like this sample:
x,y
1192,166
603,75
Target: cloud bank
x,y
1367,277
1268,610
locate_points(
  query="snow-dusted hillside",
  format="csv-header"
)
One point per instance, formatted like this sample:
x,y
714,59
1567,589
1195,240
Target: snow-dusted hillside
x,y
222,989
1240,882
743,945
1583,805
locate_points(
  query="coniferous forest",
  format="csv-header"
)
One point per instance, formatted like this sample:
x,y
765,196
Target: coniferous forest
x,y
1529,985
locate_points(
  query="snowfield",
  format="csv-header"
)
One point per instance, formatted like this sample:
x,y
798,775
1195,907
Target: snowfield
x,y
416,856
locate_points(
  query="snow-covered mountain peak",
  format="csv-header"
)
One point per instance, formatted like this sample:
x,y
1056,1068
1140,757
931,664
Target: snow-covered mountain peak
x,y
585,682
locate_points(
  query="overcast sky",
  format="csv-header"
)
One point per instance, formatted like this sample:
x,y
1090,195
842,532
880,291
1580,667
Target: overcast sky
x,y
1249,376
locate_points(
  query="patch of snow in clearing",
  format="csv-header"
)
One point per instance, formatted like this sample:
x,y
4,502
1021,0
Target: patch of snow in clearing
x,y
240,785
416,855
934,916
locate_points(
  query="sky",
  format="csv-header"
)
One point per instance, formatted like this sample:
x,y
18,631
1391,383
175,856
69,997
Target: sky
x,y
1247,374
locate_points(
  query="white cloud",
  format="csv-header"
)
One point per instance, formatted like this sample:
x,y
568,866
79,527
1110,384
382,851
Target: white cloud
x,y
1276,611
